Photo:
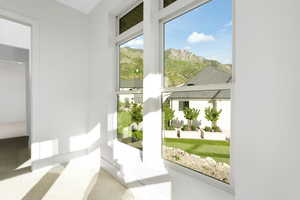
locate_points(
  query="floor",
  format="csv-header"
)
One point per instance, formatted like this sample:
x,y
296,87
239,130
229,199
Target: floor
x,y
13,153
75,180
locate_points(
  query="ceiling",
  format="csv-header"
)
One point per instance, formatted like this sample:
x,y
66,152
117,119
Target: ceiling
x,y
84,6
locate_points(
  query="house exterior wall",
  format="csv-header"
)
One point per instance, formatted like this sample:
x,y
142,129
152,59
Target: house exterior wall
x,y
225,117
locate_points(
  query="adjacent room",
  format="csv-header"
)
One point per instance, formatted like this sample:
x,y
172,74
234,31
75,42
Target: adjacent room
x,y
15,45
149,99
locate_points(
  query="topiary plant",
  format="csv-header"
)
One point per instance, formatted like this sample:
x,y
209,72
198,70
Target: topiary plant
x,y
213,115
191,114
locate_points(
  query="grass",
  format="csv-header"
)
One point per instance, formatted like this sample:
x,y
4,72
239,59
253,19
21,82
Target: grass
x,y
218,150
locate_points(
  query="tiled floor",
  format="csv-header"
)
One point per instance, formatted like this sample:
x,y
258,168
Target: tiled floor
x,y
13,153
107,188
79,179
75,180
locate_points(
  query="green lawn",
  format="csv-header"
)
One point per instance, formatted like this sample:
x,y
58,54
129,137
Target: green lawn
x,y
218,150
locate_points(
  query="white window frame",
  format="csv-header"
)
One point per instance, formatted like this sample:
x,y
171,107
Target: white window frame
x,y
174,10
120,39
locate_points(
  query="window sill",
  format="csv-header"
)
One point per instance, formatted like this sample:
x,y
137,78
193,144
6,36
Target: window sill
x,y
209,180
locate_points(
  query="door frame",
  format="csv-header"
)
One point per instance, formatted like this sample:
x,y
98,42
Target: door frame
x,y
31,76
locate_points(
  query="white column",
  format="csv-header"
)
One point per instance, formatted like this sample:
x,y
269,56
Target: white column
x,y
152,86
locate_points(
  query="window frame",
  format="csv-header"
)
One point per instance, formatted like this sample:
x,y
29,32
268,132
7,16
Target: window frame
x,y
120,39
122,14
174,10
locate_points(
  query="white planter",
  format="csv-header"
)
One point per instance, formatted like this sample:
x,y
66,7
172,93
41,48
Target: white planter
x,y
195,135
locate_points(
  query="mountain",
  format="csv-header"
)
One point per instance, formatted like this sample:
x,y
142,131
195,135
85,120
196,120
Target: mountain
x,y
180,65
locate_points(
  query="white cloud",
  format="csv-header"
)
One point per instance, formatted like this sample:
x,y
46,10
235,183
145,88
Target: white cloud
x,y
135,43
200,37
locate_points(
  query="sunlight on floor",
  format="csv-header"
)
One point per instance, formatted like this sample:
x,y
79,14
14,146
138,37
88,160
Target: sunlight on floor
x,y
79,179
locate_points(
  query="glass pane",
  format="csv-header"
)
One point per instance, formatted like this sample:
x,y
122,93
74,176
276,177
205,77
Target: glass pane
x,y
168,2
198,46
130,119
131,64
198,137
132,18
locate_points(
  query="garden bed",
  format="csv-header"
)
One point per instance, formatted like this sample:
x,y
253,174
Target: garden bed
x,y
207,166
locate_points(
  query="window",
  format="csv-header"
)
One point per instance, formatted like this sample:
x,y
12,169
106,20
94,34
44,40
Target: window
x,y
130,119
168,2
130,98
132,18
183,105
196,96
131,64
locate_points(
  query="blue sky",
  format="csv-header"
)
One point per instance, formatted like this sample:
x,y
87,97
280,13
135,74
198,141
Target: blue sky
x,y
205,31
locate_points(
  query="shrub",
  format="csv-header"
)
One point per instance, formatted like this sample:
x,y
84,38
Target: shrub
x,y
187,128
191,114
136,113
213,115
168,116
207,129
216,129
138,135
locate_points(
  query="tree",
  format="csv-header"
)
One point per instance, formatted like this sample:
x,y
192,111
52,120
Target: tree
x,y
168,115
127,103
136,113
191,114
212,114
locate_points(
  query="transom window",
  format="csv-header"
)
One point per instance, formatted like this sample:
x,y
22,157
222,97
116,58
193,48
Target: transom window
x,y
168,2
132,18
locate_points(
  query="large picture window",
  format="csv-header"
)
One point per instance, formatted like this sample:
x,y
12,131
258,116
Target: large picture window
x,y
130,98
197,96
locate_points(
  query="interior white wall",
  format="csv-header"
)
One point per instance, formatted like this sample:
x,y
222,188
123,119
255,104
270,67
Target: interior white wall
x,y
266,100
13,100
60,85
122,160
12,91
14,34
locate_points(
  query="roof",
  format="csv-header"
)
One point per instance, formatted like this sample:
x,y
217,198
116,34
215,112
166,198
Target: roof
x,y
209,75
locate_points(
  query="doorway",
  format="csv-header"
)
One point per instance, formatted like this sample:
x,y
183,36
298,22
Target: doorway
x,y
15,97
